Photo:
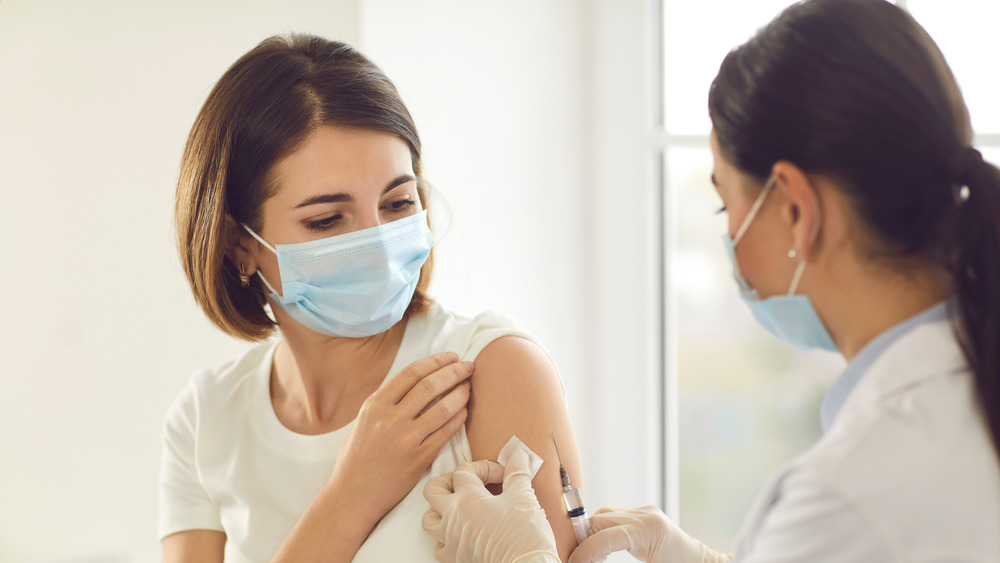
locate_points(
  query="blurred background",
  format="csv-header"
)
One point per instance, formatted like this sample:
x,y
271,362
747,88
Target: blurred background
x,y
567,141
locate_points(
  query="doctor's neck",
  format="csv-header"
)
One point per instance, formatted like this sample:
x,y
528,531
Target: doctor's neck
x,y
868,297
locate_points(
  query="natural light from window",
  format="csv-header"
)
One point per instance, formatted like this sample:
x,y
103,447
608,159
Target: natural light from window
x,y
747,402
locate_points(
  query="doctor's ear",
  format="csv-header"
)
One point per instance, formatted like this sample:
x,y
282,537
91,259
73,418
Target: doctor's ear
x,y
801,209
241,248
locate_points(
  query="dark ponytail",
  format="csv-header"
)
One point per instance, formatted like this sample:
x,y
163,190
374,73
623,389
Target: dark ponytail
x,y
856,90
976,271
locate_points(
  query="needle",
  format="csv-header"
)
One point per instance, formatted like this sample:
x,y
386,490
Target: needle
x,y
562,470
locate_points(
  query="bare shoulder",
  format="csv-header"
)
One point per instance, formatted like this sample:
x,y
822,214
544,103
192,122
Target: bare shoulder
x,y
516,360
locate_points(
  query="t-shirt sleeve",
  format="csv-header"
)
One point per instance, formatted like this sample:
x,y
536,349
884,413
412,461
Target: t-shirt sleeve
x,y
483,330
489,326
184,502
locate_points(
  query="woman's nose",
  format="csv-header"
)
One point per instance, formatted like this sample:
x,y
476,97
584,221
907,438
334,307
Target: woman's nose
x,y
369,219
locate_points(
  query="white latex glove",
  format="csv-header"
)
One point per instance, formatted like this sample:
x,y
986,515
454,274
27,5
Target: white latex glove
x,y
647,534
471,525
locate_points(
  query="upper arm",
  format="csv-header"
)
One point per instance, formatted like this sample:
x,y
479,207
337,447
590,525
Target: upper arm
x,y
194,546
516,391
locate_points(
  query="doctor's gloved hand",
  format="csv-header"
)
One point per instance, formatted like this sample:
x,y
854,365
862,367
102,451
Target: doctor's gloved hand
x,y
647,534
472,525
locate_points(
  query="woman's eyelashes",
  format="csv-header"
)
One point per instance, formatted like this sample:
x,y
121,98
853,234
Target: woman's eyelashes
x,y
720,210
399,206
324,223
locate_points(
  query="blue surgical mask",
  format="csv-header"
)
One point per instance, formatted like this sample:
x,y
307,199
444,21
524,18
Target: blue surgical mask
x,y
352,285
790,317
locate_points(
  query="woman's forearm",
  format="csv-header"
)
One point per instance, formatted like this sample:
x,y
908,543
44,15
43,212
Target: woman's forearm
x,y
332,528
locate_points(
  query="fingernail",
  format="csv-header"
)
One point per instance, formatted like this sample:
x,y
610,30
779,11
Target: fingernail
x,y
451,357
468,366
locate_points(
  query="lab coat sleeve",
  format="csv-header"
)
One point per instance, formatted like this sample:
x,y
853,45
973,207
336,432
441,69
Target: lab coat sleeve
x,y
815,520
184,502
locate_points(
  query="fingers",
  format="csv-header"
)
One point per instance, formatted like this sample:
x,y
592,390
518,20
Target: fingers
x,y
445,409
601,544
438,487
439,553
434,525
437,438
467,477
441,492
467,482
431,523
400,384
517,473
608,518
426,390
482,472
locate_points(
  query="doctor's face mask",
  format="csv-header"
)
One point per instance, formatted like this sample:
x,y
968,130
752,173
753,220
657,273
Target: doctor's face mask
x,y
790,317
352,285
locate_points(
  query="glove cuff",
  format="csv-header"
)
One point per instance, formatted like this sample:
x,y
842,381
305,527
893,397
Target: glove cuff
x,y
538,556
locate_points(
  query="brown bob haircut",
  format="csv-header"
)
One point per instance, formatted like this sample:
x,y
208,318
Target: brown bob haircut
x,y
259,112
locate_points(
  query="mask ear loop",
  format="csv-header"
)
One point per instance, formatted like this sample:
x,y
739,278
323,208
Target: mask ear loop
x,y
269,247
260,240
801,268
753,211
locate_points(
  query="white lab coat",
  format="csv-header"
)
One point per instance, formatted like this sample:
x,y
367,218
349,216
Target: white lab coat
x,y
907,472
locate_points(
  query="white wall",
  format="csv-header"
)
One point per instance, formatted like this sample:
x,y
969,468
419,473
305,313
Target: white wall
x,y
100,330
496,95
532,116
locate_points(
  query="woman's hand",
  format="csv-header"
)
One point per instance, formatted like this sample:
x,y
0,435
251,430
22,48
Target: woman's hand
x,y
646,533
399,431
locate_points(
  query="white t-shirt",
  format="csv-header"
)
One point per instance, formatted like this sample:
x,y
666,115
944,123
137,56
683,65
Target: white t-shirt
x,y
230,465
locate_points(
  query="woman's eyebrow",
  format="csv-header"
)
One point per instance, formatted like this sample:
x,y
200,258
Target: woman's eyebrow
x,y
345,197
400,180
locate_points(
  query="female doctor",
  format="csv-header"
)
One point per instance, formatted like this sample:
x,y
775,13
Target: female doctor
x,y
860,220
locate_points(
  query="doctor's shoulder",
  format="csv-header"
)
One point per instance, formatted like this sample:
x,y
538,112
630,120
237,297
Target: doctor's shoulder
x,y
916,474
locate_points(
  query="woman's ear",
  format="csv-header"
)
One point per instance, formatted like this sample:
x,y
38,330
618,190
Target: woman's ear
x,y
242,248
801,209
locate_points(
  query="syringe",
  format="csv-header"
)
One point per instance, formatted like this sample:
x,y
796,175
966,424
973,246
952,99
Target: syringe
x,y
574,502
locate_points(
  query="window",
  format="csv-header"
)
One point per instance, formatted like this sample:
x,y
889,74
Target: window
x,y
740,404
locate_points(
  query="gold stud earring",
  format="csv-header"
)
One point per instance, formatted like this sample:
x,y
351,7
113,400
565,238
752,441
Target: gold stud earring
x,y
244,278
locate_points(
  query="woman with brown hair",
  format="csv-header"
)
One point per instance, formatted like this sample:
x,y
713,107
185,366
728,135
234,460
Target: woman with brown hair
x,y
301,214
861,220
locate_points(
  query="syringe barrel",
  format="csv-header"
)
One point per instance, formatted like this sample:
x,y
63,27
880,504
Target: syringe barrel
x,y
581,526
577,514
573,498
